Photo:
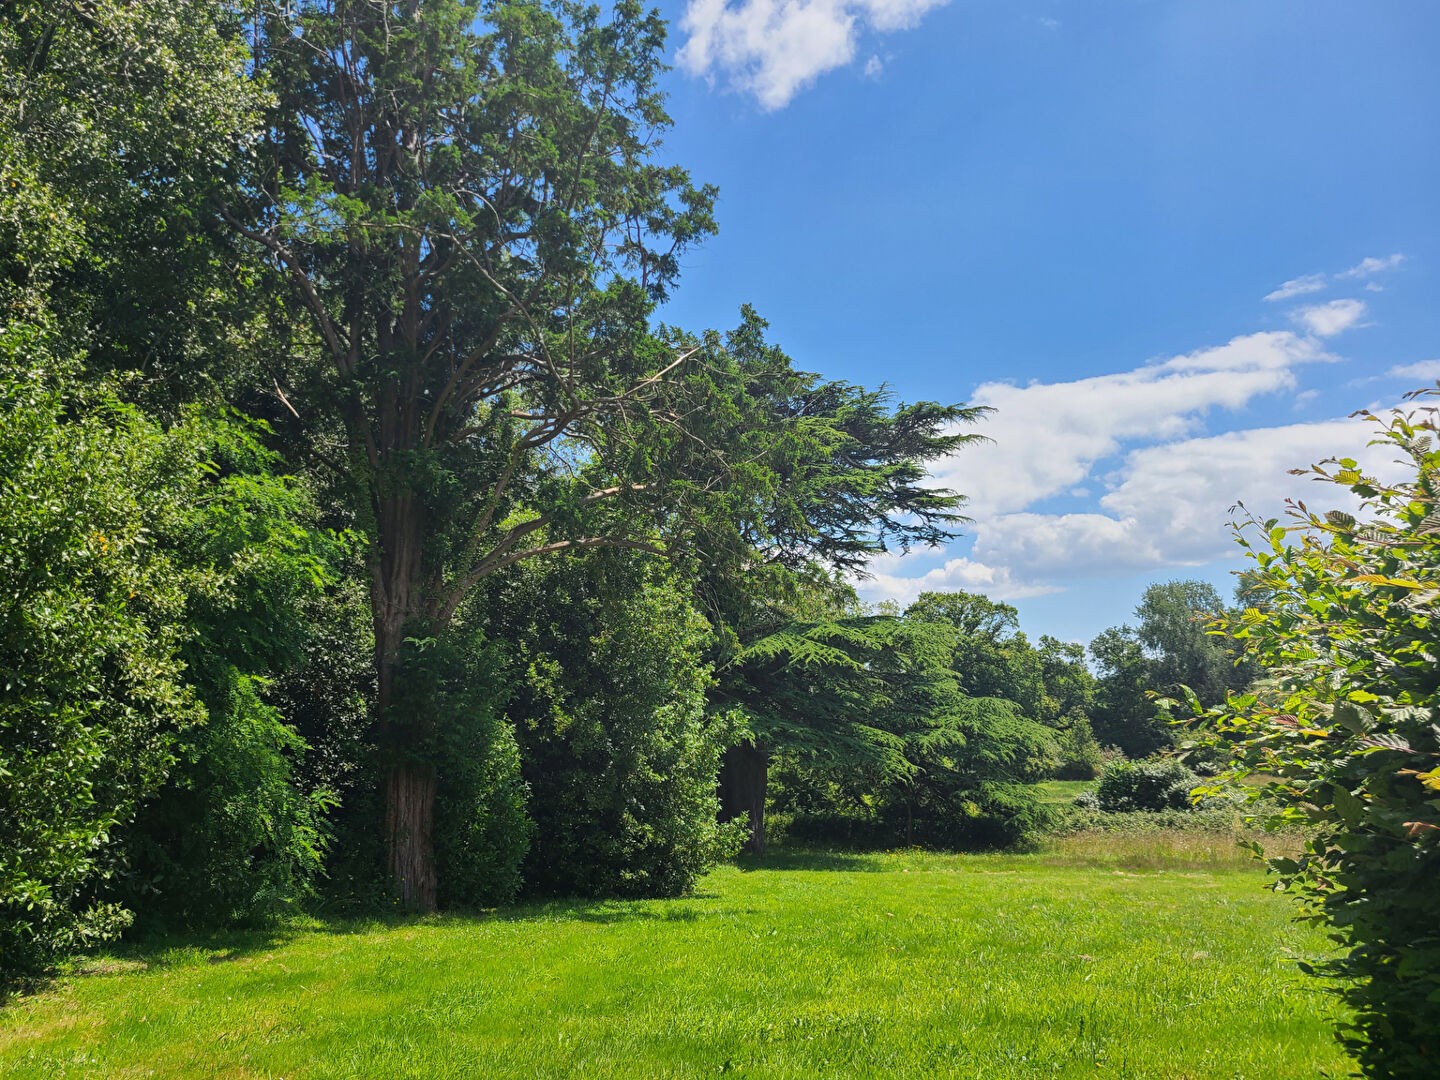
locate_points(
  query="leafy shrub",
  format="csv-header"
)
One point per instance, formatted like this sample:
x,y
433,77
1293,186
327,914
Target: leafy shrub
x,y
1081,757
1161,784
482,830
91,689
231,838
1344,620
1086,800
608,704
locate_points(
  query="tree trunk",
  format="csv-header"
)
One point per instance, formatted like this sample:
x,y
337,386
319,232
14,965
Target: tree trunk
x,y
410,784
744,777
409,821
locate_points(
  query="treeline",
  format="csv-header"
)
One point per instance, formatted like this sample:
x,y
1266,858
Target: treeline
x,y
364,536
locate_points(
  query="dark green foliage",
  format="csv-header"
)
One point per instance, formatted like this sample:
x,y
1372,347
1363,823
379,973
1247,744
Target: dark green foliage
x,y
482,833
608,705
879,742
150,579
231,839
1344,725
1080,753
992,657
232,836
1125,715
119,121
1160,784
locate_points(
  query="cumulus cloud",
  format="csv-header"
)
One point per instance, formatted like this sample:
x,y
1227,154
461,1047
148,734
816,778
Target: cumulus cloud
x,y
1169,505
773,49
1327,320
1371,265
888,581
1117,474
1047,437
1299,286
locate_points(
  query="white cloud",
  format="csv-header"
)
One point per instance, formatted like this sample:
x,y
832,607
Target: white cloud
x,y
1049,23
1170,504
887,582
773,49
1299,286
1424,371
873,67
1371,265
1327,320
1047,437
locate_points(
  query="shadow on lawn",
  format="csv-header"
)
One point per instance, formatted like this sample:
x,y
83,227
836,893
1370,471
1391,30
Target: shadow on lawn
x,y
824,861
158,949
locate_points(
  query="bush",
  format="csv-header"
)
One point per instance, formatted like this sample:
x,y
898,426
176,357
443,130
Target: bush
x,y
608,706
231,838
234,836
1344,620
482,830
1081,757
137,577
91,688
1160,784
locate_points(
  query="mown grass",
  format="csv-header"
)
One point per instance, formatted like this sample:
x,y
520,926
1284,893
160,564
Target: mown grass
x,y
1063,963
1061,792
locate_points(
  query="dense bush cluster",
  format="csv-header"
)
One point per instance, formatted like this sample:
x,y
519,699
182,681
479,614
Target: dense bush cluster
x,y
1162,784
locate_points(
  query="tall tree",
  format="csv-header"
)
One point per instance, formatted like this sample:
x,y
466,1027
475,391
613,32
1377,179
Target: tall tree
x,y
463,200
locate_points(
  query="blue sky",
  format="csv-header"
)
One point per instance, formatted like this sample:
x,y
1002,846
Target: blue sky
x,y
1173,243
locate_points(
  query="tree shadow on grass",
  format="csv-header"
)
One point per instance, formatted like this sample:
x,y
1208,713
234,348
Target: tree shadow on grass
x,y
823,861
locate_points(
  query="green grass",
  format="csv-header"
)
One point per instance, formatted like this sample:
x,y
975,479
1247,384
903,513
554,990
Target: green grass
x,y
1061,792
1059,964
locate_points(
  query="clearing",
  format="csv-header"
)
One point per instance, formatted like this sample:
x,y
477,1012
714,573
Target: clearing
x,y
1095,962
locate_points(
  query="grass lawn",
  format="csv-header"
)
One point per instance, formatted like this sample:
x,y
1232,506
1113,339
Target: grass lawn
x,y
1061,792
1074,963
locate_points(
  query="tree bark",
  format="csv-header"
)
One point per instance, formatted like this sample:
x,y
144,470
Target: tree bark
x,y
396,593
744,778
409,829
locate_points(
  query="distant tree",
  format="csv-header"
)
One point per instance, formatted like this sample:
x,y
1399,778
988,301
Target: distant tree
x,y
871,707
1174,626
992,657
1069,684
1171,646
1124,715
1068,703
